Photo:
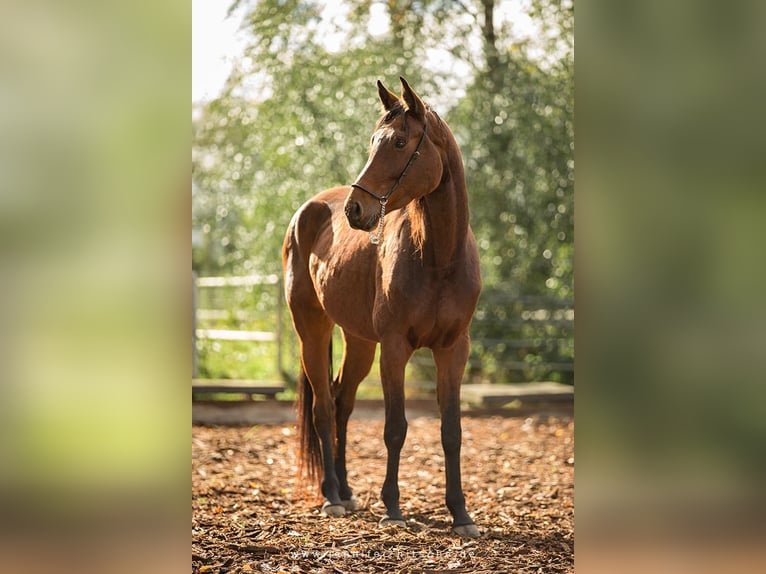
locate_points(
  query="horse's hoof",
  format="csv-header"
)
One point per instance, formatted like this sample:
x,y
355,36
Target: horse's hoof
x,y
386,521
351,504
467,531
331,509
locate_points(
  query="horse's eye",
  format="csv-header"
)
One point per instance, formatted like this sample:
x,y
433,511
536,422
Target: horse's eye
x,y
400,143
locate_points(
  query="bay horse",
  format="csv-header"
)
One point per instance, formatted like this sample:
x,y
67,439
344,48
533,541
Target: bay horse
x,y
412,282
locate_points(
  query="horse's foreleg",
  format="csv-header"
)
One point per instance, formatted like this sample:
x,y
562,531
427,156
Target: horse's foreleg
x,y
357,359
393,359
450,364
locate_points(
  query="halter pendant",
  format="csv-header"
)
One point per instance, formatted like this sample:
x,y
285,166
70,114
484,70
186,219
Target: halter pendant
x,y
378,235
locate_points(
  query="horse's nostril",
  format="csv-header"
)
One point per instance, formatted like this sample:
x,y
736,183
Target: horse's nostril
x,y
353,210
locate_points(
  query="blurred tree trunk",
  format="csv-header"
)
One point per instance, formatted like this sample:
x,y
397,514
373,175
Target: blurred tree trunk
x,y
489,43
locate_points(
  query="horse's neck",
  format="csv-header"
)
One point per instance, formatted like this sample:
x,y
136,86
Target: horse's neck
x,y
446,219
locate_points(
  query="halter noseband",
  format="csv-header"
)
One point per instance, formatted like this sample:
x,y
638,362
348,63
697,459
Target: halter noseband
x,y
383,199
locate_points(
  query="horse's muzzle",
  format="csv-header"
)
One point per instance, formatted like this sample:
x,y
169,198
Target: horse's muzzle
x,y
356,218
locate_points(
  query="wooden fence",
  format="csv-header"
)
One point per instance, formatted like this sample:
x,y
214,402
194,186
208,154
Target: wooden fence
x,y
514,338
272,336
524,337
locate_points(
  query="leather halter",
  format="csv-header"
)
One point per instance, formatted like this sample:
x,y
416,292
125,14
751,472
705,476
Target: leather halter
x,y
384,198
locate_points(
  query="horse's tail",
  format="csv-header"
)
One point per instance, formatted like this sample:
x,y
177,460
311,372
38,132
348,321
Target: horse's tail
x,y
310,448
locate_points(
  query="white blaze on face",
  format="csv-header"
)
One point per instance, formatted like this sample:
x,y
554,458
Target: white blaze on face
x,y
384,134
381,136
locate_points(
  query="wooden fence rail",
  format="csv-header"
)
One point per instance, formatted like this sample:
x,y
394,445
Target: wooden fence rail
x,y
274,336
514,326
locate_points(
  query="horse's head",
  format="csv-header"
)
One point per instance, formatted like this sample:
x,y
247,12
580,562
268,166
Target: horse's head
x,y
404,164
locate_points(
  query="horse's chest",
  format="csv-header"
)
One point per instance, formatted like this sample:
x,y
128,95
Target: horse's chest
x,y
428,314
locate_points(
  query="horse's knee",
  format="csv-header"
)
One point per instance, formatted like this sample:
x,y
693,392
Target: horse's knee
x,y
395,433
451,440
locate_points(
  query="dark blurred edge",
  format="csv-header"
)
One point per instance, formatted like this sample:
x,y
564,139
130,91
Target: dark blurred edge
x,y
671,318
116,530
94,256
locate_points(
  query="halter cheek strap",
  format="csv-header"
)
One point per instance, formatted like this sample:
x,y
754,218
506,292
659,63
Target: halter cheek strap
x,y
383,199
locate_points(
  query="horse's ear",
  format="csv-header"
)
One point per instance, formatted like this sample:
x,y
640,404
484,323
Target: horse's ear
x,y
415,105
387,98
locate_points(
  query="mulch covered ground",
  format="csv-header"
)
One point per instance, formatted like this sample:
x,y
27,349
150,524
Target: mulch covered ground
x,y
249,516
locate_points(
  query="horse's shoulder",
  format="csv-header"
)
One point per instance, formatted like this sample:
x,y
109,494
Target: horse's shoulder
x,y
318,210
312,225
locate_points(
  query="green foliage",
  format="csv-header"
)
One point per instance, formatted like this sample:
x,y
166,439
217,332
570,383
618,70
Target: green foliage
x,y
298,110
247,308
515,126
236,360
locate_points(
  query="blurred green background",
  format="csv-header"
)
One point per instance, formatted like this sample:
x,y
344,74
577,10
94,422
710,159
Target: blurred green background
x,y
94,211
295,117
671,328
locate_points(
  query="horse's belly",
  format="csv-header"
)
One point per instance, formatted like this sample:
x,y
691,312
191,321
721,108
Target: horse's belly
x,y
346,293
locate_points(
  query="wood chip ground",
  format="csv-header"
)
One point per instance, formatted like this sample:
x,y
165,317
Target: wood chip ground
x,y
248,514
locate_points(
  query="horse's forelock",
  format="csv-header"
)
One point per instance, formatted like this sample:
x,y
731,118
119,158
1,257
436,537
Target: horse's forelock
x,y
396,110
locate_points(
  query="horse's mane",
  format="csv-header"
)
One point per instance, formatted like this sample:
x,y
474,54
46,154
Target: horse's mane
x,y
416,213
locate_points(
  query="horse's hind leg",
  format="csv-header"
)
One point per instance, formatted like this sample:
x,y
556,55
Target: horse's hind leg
x,y
316,365
314,330
358,356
